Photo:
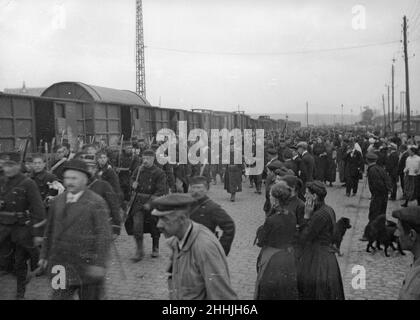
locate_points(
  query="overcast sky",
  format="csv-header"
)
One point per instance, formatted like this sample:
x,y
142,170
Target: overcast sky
x,y
221,53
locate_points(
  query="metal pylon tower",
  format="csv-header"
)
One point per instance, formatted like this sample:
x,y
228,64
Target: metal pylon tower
x,y
140,68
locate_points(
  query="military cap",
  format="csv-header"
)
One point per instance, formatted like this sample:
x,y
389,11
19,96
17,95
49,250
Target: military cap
x,y
292,181
371,156
11,157
276,164
302,144
409,215
272,151
317,187
77,165
148,153
198,180
166,204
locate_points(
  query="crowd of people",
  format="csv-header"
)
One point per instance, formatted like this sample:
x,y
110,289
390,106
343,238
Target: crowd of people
x,y
69,212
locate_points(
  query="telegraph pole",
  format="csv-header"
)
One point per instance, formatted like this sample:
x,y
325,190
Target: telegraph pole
x,y
383,105
307,114
389,111
392,94
407,87
342,115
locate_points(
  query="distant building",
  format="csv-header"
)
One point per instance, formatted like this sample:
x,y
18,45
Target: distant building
x,y
25,91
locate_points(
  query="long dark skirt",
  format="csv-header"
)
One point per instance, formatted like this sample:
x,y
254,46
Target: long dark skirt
x,y
411,187
319,276
321,168
331,170
233,179
277,277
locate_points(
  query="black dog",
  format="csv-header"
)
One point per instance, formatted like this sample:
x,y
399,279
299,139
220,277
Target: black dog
x,y
382,231
339,231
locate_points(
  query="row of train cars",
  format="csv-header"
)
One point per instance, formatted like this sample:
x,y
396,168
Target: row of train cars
x,y
78,112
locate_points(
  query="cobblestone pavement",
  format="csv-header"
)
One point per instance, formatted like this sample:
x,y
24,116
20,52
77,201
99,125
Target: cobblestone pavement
x,y
147,279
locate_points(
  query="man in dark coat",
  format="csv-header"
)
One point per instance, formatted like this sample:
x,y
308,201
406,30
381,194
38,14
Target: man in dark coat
x,y
22,218
129,162
391,166
379,186
290,161
58,166
401,164
307,163
77,237
149,183
353,169
43,179
107,173
321,160
210,214
104,189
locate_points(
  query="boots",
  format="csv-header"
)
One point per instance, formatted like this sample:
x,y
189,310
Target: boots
x,y
139,255
232,197
155,252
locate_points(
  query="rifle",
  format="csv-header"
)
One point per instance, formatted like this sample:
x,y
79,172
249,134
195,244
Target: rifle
x,y
120,152
47,157
25,151
134,194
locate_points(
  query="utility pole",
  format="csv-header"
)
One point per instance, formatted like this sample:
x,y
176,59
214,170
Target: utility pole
x,y
140,64
407,87
307,114
383,105
389,112
342,115
392,94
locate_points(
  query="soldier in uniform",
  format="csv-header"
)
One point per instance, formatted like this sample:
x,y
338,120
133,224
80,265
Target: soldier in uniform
x,y
129,163
43,179
149,184
379,186
61,158
22,217
169,172
210,214
104,189
107,173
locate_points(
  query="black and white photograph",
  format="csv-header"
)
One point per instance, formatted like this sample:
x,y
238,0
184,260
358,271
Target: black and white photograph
x,y
236,150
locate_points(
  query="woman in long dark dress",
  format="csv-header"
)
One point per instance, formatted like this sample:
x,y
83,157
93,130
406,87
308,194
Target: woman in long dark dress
x,y
319,276
276,267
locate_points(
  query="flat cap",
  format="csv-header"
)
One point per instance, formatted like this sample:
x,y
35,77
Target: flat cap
x,y
77,165
317,187
164,205
276,164
198,180
287,154
409,215
302,144
148,153
371,156
272,151
13,157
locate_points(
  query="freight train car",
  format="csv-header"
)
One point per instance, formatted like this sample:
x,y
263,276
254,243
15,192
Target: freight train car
x,y
79,112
